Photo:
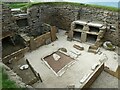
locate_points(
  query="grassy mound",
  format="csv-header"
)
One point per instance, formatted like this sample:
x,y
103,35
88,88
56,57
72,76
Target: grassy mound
x,y
30,4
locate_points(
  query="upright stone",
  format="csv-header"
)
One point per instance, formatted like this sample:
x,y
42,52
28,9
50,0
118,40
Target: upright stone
x,y
86,28
32,44
83,37
70,35
53,33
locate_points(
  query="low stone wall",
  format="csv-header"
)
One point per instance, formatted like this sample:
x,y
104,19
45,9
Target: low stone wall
x,y
41,40
16,54
115,74
93,77
63,15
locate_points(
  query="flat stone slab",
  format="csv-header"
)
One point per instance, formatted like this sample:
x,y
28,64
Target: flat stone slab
x,y
25,37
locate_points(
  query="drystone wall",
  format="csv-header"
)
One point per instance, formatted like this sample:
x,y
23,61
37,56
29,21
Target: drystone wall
x,y
62,16
53,15
103,16
8,21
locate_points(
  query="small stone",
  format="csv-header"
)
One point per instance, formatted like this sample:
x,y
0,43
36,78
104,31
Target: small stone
x,y
56,57
108,45
24,67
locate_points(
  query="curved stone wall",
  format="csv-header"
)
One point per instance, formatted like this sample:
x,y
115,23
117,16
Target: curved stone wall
x,y
62,16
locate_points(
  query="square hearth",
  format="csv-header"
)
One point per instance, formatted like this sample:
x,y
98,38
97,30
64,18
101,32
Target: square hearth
x,y
61,65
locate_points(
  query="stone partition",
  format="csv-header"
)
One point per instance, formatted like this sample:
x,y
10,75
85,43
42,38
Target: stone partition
x,y
63,15
92,77
42,40
20,53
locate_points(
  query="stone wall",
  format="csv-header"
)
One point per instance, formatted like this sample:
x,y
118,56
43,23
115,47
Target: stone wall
x,y
62,16
53,15
103,16
16,54
8,21
42,40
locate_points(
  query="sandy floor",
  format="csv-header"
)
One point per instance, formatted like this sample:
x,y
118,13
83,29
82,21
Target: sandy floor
x,y
76,72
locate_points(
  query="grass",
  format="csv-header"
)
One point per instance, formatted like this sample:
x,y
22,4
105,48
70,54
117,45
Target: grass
x,y
104,7
6,82
0,78
28,5
17,5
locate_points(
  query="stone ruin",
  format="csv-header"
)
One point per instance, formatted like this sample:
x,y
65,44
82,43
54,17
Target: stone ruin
x,y
26,31
87,32
19,38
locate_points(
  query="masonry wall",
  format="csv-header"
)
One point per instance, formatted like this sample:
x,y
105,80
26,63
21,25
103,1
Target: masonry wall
x,y
53,15
8,21
62,16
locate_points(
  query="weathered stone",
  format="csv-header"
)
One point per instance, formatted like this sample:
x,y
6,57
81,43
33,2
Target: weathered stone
x,y
108,45
83,37
78,47
93,49
53,33
63,49
8,21
32,44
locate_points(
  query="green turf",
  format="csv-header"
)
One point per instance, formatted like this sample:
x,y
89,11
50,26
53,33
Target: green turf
x,y
27,5
17,5
6,82
0,78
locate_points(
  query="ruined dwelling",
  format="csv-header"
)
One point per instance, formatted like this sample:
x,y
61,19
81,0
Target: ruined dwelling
x,y
59,45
